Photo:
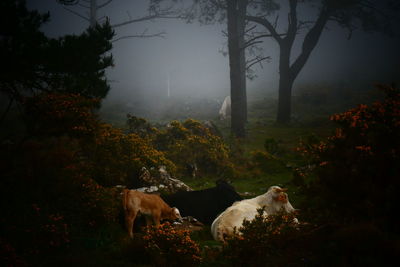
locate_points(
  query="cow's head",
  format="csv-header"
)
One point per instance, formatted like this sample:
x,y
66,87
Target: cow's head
x,y
278,194
280,199
174,214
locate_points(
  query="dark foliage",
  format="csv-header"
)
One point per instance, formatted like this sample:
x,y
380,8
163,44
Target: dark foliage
x,y
21,48
32,62
77,63
262,241
357,170
276,241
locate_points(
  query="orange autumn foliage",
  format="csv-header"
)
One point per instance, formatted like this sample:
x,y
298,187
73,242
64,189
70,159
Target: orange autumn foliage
x,y
170,246
357,168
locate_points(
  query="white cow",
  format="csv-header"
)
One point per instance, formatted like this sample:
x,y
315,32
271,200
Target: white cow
x,y
273,201
225,109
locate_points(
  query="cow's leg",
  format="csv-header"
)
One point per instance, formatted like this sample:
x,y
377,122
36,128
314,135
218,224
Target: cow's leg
x,y
149,220
129,220
156,219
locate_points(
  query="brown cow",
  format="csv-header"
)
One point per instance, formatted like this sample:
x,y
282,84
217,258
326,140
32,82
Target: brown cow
x,y
149,205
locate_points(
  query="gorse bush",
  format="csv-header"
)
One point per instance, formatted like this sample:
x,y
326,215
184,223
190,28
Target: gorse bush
x,y
170,247
191,142
48,198
62,167
55,114
117,158
140,126
69,162
261,241
358,168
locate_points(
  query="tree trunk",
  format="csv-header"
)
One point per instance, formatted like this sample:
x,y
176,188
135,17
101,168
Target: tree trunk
x,y
285,85
285,98
238,100
288,73
241,24
93,13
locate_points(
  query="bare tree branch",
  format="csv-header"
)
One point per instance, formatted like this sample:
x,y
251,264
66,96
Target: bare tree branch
x,y
143,35
267,25
250,29
77,14
104,4
147,18
85,6
256,60
276,21
248,44
68,2
260,36
310,41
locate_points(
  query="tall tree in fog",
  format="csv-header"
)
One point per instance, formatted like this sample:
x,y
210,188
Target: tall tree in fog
x,y
368,15
236,11
233,13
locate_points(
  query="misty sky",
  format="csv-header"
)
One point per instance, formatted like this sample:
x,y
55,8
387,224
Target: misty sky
x,y
190,55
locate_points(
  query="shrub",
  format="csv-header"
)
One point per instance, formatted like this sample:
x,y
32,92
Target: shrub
x,y
140,126
170,247
357,169
271,145
191,142
57,114
48,199
117,158
262,241
265,162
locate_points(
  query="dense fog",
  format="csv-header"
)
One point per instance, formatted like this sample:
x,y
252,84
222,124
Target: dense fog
x,y
187,69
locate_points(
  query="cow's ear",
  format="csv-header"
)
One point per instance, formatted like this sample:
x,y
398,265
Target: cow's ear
x,y
280,190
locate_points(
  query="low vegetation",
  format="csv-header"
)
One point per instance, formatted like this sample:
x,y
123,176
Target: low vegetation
x,y
59,199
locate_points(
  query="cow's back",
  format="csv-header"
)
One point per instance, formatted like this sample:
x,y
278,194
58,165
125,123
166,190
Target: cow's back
x,y
233,218
205,205
144,202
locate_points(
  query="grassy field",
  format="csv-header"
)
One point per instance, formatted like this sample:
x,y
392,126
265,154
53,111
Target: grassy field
x,y
252,183
312,120
247,182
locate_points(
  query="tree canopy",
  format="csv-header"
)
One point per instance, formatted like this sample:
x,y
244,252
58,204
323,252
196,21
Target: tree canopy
x,y
33,62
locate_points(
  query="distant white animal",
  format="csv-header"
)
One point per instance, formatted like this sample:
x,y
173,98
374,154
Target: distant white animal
x,y
273,201
225,109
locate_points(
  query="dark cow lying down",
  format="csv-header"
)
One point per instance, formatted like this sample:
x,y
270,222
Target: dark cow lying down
x,y
204,205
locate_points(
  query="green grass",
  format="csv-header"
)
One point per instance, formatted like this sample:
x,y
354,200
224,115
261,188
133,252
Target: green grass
x,y
288,138
248,182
